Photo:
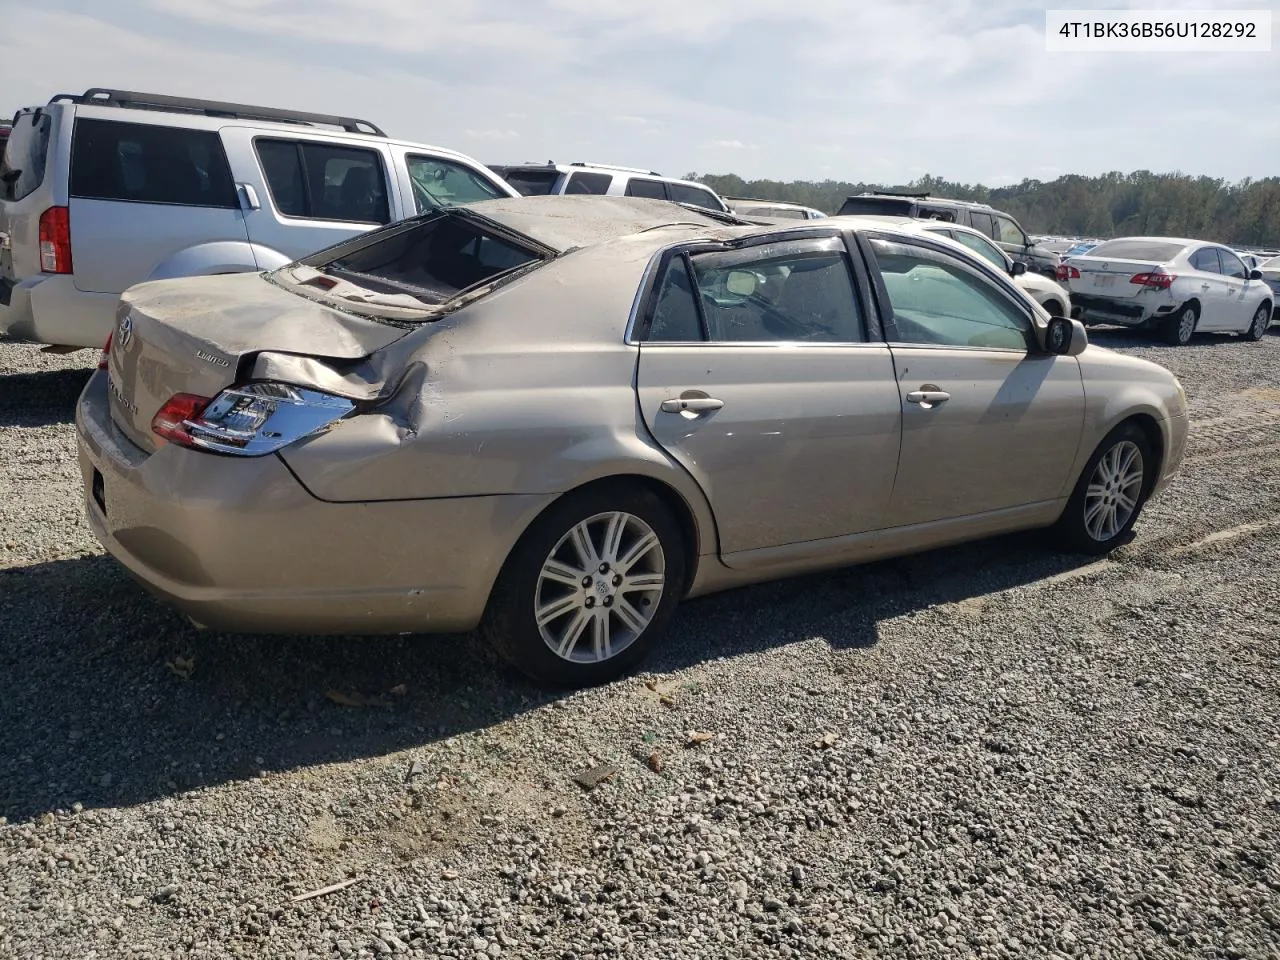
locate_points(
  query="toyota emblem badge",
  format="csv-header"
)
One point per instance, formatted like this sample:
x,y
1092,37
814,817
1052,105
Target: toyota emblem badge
x,y
126,329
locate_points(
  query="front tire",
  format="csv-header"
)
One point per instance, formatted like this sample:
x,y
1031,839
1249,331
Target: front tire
x,y
589,588
1109,496
1261,322
1181,326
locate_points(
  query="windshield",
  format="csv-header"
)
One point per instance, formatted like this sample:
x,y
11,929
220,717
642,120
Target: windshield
x,y
431,259
532,183
440,183
22,169
1135,248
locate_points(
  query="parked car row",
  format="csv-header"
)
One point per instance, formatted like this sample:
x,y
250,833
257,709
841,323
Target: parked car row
x,y
1000,227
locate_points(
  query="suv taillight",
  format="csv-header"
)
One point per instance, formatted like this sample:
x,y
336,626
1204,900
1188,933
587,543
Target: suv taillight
x,y
55,240
1067,273
1157,278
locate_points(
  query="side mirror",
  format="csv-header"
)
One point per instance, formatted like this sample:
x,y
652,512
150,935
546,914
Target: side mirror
x,y
1018,268
1065,337
1255,274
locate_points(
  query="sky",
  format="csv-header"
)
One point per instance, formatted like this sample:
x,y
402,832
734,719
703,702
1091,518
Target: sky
x,y
857,90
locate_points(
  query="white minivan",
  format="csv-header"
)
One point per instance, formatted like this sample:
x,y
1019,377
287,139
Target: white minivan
x,y
110,188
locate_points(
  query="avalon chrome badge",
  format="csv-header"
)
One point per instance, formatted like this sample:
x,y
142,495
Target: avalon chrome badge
x,y
126,329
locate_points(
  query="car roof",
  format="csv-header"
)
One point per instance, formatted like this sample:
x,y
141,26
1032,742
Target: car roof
x,y
563,222
1182,240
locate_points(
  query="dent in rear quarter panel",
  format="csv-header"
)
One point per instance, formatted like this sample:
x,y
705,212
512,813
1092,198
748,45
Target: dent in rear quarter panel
x,y
527,391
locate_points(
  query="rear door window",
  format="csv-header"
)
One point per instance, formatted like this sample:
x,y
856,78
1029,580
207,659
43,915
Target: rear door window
x,y
145,163
321,181
982,221
593,183
643,187
22,169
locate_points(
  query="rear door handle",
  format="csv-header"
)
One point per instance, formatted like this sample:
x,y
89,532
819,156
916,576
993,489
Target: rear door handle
x,y
928,397
248,197
694,405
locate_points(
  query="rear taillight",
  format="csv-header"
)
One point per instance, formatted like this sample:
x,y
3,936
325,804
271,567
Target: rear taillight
x,y
1067,273
170,421
249,420
55,240
1157,279
106,351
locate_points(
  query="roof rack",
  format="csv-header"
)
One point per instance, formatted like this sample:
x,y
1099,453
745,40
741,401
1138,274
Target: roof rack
x,y
897,193
104,97
614,166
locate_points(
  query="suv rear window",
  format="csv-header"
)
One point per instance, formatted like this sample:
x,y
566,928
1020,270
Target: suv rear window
x,y
22,169
533,183
432,259
146,163
1158,251
593,183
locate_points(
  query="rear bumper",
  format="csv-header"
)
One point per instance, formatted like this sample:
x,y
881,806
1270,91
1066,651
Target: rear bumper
x,y
1108,310
238,545
48,308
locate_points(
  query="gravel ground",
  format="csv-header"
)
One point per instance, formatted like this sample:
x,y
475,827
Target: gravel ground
x,y
989,751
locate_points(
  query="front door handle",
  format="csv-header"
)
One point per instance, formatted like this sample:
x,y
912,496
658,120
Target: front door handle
x,y
928,396
1204,286
694,405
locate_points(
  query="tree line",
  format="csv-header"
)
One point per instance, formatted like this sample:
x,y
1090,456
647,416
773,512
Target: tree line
x,y
1142,203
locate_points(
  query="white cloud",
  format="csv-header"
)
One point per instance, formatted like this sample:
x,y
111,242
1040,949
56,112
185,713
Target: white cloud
x,y
493,134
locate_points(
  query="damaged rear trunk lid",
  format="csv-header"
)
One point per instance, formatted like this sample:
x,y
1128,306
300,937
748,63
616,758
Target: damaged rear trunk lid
x,y
200,335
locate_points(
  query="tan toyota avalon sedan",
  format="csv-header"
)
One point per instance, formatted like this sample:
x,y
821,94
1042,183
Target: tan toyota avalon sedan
x,y
557,416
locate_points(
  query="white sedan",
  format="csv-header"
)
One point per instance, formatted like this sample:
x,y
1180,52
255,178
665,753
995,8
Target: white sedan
x,y
1175,287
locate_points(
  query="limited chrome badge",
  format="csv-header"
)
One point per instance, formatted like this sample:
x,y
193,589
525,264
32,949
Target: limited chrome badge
x,y
210,358
126,329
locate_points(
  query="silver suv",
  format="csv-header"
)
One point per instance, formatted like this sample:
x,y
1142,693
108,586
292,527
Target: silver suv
x,y
111,188
604,179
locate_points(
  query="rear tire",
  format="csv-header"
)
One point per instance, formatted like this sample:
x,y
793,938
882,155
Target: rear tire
x,y
1109,496
1179,328
1260,324
590,587
1054,308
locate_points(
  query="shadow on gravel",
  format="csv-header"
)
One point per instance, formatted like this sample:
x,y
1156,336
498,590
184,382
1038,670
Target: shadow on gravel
x,y
93,706
40,399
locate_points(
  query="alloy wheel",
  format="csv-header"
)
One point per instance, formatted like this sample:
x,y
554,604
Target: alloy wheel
x,y
600,587
1114,491
1186,325
1260,322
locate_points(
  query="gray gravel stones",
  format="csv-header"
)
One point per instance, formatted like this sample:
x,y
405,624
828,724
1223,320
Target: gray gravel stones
x,y
991,751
